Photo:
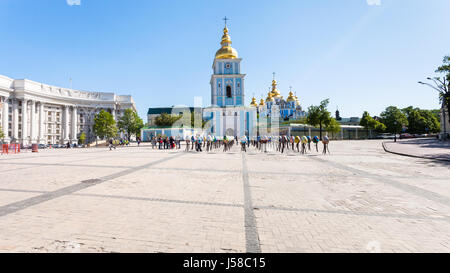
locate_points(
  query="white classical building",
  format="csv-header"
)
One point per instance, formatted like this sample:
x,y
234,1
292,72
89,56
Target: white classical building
x,y
36,113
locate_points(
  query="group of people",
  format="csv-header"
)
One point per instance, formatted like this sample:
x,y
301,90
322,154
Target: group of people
x,y
294,143
113,143
263,143
164,143
209,142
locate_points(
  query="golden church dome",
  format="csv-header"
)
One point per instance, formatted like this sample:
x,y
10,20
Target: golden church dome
x,y
275,93
261,103
291,97
226,51
270,97
253,103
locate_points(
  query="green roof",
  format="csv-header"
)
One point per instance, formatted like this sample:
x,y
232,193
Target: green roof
x,y
167,110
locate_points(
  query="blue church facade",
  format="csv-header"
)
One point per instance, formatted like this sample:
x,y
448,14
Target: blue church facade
x,y
227,114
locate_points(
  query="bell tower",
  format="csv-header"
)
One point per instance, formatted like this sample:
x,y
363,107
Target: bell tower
x,y
227,82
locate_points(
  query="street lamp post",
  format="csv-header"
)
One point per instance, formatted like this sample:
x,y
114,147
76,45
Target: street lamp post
x,y
395,131
444,119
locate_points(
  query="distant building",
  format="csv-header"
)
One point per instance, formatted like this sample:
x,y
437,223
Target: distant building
x,y
37,113
350,121
338,116
289,109
153,113
227,114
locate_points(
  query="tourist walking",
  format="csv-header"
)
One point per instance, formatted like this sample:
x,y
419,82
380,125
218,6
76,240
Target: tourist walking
x,y
188,143
111,144
244,143
297,143
304,142
325,142
199,143
153,143
316,141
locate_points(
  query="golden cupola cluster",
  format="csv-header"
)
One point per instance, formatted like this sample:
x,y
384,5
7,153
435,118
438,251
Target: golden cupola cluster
x,y
275,96
226,51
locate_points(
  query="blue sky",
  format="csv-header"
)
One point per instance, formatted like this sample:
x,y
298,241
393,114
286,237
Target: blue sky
x,y
361,56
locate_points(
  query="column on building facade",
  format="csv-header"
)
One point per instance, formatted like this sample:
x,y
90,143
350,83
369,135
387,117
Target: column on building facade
x,y
5,119
25,121
33,123
74,125
113,112
66,123
41,123
15,119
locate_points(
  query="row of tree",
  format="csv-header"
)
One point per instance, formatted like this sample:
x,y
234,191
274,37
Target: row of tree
x,y
392,120
411,120
168,120
106,127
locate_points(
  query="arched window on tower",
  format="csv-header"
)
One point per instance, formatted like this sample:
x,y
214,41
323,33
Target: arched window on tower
x,y
229,92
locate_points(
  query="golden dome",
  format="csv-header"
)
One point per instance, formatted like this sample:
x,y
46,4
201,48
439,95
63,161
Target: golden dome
x,y
291,97
270,97
226,51
253,103
297,103
275,93
261,103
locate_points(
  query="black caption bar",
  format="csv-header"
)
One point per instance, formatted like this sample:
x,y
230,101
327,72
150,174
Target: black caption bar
x,y
143,263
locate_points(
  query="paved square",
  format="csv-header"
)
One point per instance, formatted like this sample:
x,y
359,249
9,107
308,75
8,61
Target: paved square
x,y
358,199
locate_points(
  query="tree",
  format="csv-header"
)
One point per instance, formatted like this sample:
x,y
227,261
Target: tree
x,y
379,127
130,123
2,135
442,85
394,119
82,138
319,115
105,125
166,120
421,121
431,121
369,123
333,126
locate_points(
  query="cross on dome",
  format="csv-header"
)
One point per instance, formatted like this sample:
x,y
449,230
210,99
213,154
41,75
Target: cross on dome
x,y
226,19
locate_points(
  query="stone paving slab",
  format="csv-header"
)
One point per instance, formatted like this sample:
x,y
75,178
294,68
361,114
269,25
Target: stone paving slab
x,y
425,148
358,199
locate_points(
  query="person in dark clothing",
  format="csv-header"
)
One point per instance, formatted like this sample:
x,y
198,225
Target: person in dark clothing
x,y
111,144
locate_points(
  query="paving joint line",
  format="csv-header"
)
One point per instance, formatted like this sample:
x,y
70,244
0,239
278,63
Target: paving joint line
x,y
430,195
21,205
252,243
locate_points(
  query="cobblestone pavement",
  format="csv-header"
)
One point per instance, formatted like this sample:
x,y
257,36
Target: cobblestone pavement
x,y
430,148
358,199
